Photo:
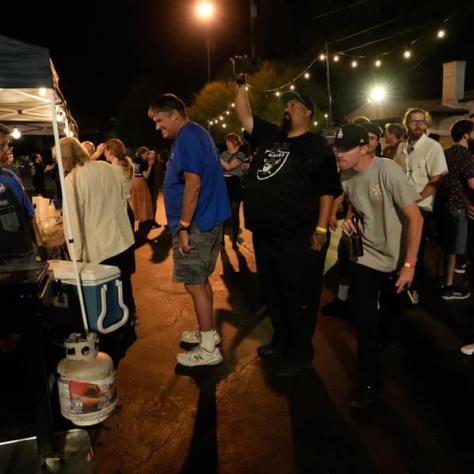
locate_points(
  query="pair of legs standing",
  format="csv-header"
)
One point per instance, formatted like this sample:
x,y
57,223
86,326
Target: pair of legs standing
x,y
290,274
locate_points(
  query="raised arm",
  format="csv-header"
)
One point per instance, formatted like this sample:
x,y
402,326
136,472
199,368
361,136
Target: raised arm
x,y
242,105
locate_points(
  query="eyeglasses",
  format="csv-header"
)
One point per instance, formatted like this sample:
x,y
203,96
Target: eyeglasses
x,y
417,122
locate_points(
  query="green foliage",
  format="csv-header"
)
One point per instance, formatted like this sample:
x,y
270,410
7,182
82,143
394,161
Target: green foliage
x,y
215,99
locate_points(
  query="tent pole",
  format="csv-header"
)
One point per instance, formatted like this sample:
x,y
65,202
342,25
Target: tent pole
x,y
65,205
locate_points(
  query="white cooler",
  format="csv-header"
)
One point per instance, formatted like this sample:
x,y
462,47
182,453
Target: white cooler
x,y
102,290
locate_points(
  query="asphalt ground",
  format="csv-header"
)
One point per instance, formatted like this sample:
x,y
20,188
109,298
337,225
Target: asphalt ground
x,y
238,418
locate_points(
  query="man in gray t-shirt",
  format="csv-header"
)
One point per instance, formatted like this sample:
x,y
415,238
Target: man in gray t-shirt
x,y
390,224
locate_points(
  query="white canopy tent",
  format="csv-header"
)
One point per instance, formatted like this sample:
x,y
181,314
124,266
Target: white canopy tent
x,y
27,76
30,100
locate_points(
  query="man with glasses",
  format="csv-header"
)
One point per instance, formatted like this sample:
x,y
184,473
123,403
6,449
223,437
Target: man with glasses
x,y
425,164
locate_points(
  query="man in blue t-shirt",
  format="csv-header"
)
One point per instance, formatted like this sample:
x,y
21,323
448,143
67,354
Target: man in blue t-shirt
x,y
197,204
17,223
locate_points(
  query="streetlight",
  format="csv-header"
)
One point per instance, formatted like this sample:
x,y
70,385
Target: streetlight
x,y
205,11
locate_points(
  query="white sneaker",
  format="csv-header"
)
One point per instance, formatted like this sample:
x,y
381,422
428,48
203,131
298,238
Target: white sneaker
x,y
468,350
194,337
199,356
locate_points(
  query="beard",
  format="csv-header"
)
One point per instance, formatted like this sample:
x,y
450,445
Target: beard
x,y
286,122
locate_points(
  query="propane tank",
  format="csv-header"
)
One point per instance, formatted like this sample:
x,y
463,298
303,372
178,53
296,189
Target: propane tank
x,y
87,392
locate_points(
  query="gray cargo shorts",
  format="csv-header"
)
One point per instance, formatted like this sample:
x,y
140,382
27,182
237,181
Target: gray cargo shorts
x,y
195,267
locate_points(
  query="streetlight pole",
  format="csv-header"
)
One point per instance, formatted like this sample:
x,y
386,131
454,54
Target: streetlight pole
x,y
208,50
205,10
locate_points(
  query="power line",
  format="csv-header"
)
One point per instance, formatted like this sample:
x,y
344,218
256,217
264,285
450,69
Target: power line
x,y
337,10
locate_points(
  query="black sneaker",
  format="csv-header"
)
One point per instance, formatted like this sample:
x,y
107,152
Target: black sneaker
x,y
449,293
337,308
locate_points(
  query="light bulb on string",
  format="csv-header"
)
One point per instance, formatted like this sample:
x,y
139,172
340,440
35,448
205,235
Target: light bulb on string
x,y
354,64
16,134
441,34
232,105
277,93
336,58
378,63
306,75
227,112
292,87
322,57
224,125
221,118
407,54
42,91
315,124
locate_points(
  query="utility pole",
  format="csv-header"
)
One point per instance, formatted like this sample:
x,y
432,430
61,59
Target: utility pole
x,y
253,18
328,82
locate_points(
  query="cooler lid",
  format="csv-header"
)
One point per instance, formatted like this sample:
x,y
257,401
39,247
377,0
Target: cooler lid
x,y
90,272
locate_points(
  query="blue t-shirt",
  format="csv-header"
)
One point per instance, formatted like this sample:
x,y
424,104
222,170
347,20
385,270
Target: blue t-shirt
x,y
195,152
8,178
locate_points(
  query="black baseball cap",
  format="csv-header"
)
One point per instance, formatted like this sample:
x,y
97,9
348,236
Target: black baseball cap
x,y
303,98
351,136
373,128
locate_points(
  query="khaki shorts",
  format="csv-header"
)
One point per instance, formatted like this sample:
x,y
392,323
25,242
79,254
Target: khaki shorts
x,y
195,267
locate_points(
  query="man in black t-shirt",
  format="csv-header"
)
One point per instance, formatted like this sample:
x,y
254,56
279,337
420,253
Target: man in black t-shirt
x,y
287,201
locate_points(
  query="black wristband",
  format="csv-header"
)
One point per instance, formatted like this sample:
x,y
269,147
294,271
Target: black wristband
x,y
183,229
241,82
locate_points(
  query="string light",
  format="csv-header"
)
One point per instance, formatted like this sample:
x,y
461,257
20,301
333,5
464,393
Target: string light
x,y
224,125
406,54
16,134
315,124
42,91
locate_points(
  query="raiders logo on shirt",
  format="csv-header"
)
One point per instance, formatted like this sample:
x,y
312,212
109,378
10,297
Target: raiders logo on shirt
x,y
273,161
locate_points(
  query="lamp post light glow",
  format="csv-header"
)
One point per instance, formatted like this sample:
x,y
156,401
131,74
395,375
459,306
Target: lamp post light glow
x,y
377,94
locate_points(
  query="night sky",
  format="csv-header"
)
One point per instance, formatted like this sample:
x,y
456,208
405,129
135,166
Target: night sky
x,y
103,51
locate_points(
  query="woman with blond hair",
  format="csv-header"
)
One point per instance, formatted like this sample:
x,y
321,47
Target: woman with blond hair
x,y
96,193
141,197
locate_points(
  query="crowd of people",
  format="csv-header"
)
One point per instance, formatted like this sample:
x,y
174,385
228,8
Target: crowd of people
x,y
392,202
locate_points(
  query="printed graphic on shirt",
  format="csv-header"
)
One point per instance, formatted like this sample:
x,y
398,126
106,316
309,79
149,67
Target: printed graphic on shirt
x,y
273,161
376,191
2,188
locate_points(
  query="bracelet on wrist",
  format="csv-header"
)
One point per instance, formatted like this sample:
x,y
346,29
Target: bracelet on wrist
x,y
321,230
183,229
184,223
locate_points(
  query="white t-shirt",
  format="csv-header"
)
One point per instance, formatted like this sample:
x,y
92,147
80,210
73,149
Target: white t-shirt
x,y
422,163
378,195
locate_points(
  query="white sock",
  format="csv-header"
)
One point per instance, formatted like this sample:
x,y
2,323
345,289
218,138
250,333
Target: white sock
x,y
207,340
343,292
